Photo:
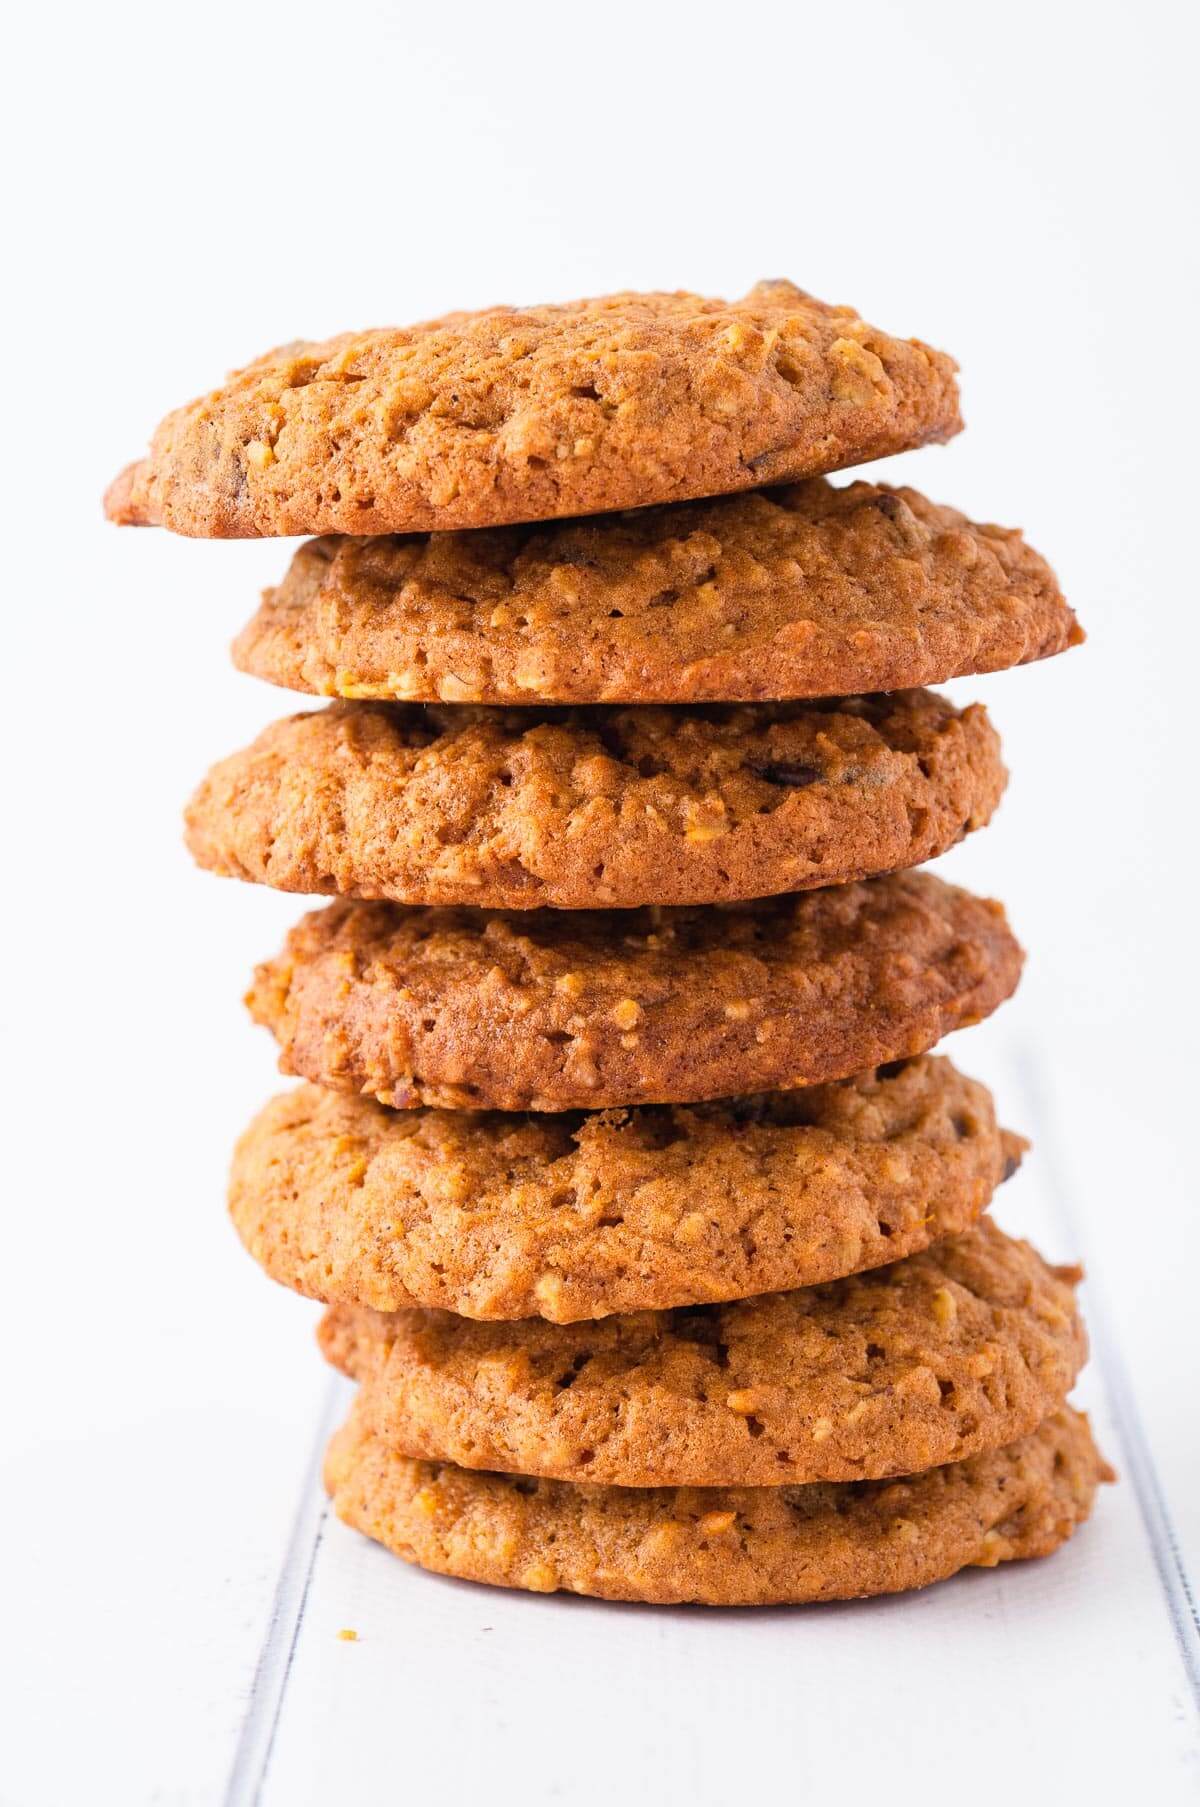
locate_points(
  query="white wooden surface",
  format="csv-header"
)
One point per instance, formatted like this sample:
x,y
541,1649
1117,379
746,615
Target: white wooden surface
x,y
173,1591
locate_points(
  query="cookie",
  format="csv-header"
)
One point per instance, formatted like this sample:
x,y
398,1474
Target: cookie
x,y
735,1546
524,809
964,1347
802,592
548,1010
577,1216
528,414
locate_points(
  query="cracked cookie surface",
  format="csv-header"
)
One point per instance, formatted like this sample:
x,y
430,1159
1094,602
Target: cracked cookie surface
x,y
800,592
528,414
522,809
736,1546
579,1215
554,1010
964,1347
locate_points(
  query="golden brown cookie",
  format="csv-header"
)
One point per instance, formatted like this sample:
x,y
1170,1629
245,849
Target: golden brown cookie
x,y
549,1010
572,1216
962,1348
801,592
517,809
531,413
735,1546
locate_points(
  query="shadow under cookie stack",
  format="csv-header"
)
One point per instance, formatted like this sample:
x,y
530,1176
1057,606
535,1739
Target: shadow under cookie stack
x,y
654,1235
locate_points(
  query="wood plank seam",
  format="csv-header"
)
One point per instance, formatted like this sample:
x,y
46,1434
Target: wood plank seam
x,y
1136,1462
256,1739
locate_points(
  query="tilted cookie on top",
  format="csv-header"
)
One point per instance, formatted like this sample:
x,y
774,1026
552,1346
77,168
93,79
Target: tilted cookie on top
x,y
527,414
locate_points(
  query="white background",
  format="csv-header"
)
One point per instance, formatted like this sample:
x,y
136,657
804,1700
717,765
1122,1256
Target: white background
x,y
191,185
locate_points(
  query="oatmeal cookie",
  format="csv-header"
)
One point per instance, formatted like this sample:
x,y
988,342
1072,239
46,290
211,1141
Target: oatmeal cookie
x,y
528,414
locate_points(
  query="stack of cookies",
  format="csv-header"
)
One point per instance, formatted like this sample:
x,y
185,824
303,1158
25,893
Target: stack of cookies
x,y
653,1233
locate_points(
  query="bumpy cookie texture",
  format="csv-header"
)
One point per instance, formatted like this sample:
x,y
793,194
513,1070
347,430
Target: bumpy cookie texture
x,y
528,414
962,1348
799,592
549,1010
520,809
736,1546
574,1216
